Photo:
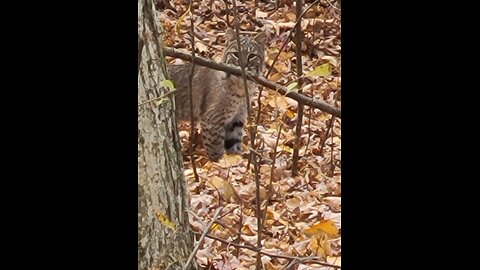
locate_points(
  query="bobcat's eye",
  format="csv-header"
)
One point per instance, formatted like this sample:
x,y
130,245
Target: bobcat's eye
x,y
251,56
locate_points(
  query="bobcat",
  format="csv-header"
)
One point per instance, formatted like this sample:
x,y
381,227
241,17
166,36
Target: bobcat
x,y
219,102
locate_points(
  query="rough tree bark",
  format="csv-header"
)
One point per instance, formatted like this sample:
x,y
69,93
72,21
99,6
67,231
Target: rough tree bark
x,y
164,236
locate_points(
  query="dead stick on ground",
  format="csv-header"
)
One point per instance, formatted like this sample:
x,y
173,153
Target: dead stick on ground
x,y
307,101
200,241
311,259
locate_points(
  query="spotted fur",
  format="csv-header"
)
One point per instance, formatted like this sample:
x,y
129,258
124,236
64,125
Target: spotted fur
x,y
219,101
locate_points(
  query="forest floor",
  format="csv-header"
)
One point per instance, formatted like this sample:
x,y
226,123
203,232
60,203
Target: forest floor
x,y
302,220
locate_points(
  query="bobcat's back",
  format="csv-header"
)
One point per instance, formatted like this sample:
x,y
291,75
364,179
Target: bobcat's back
x,y
212,90
219,102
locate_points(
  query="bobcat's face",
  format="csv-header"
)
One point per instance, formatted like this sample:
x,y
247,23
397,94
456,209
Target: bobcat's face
x,y
252,50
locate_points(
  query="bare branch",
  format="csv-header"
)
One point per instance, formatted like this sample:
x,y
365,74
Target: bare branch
x,y
297,22
190,93
308,101
322,142
310,259
298,53
272,173
157,98
252,135
200,241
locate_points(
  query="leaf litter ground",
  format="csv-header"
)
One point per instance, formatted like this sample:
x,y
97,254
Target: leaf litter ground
x,y
303,216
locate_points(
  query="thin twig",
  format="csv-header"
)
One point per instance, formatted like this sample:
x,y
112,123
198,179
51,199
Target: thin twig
x,y
157,41
311,259
298,20
197,217
291,264
252,135
190,89
239,234
332,162
197,35
298,53
306,100
157,98
310,111
322,144
272,170
333,5
200,241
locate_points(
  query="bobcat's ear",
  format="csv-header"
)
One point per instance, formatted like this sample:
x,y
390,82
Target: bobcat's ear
x,y
230,35
261,37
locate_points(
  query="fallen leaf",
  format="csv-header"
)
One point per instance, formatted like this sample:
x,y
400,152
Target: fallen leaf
x,y
260,14
326,226
293,203
320,71
291,16
292,87
278,101
231,159
331,59
201,47
221,185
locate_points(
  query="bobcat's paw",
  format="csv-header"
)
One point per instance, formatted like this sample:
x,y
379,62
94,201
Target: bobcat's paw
x,y
233,138
233,146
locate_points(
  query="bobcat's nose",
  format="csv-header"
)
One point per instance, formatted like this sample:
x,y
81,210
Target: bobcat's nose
x,y
244,62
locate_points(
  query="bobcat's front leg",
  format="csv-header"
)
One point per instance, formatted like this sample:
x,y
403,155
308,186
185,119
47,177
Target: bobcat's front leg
x,y
213,139
234,131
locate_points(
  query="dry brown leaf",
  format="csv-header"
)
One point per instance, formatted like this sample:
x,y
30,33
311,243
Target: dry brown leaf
x,y
249,229
221,185
278,101
231,159
286,24
293,203
297,202
273,215
260,14
291,16
334,203
201,47
334,260
323,227
275,77
282,67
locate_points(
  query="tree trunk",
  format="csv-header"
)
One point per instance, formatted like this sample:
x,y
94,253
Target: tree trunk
x,y
164,236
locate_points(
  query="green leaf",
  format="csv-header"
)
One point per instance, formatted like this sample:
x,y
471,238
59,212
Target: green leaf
x,y
158,102
291,87
321,71
180,20
274,50
168,84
